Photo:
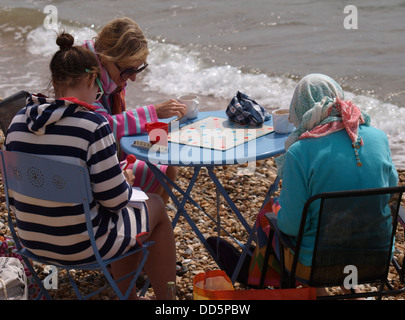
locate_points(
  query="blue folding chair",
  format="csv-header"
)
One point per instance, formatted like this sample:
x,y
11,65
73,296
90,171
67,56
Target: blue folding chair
x,y
398,264
348,240
51,180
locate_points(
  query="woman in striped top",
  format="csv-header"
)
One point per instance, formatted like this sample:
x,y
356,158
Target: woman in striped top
x,y
122,50
68,129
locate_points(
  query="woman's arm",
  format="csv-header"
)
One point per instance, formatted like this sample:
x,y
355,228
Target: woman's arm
x,y
129,122
109,185
293,196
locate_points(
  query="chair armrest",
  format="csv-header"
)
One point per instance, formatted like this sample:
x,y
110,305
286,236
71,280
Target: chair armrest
x,y
271,216
401,216
285,240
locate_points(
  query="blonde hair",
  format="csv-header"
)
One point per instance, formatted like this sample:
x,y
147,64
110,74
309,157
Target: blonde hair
x,y
122,41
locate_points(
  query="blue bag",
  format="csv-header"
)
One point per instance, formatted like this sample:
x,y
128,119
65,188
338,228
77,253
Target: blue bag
x,y
244,110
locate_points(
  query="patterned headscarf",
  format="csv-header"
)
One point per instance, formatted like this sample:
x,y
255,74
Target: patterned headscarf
x,y
318,109
113,99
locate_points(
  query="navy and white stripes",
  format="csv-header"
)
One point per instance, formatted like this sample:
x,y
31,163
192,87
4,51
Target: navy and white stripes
x,y
68,132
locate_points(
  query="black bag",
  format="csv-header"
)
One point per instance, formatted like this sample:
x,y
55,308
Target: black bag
x,y
228,257
245,110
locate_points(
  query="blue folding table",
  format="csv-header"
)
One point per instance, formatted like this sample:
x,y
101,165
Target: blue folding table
x,y
178,154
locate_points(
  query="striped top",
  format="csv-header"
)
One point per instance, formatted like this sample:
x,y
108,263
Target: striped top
x,y
126,123
69,132
129,122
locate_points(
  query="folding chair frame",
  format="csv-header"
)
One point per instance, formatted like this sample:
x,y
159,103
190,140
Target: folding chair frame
x,y
400,268
78,177
288,278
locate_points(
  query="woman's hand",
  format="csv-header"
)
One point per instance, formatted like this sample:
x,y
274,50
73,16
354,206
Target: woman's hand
x,y
170,108
129,176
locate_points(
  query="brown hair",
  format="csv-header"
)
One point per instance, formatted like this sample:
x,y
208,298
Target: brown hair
x,y
69,64
122,41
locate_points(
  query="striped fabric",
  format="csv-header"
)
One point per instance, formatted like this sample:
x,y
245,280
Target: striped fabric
x,y
68,132
126,123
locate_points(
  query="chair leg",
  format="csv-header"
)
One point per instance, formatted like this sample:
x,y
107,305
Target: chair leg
x,y
399,268
134,275
401,273
74,286
144,288
285,279
245,250
381,289
269,250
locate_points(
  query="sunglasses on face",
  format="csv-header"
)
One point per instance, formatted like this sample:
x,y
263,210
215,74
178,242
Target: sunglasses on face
x,y
101,92
126,73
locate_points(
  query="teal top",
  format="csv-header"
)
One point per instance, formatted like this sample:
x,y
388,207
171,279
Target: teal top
x,y
327,164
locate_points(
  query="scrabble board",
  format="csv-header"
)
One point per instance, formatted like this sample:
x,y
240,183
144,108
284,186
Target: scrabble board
x,y
217,133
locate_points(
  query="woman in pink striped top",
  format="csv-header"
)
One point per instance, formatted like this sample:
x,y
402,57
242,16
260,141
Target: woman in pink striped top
x,y
122,50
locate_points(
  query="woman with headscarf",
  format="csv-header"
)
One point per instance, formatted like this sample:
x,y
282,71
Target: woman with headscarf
x,y
333,148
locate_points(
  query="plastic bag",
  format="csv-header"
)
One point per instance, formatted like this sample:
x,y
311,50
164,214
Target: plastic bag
x,y
13,281
216,285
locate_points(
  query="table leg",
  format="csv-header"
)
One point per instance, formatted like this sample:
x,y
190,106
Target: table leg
x,y
218,193
164,180
245,251
228,199
273,188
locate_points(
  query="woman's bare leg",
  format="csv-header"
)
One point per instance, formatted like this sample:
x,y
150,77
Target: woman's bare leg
x,y
171,173
161,263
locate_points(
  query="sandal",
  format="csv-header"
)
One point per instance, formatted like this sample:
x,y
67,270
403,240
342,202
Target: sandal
x,y
180,269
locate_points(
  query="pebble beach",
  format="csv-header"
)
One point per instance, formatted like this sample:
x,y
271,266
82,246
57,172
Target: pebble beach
x,y
247,191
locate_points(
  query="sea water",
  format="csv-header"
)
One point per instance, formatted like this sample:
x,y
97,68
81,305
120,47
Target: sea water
x,y
215,48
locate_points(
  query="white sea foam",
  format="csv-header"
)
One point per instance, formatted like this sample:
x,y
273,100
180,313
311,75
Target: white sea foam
x,y
175,70
42,41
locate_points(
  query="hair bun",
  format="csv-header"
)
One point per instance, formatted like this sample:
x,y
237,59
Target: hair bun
x,y
65,40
